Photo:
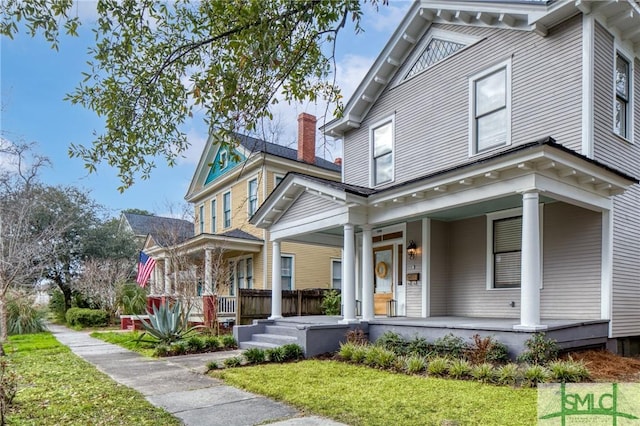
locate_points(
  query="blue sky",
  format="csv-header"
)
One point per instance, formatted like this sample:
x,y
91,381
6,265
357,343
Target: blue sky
x,y
35,79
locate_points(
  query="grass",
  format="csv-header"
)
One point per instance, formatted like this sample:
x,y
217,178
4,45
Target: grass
x,y
58,388
358,395
128,340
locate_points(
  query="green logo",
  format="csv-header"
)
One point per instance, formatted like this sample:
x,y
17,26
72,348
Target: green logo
x,y
593,403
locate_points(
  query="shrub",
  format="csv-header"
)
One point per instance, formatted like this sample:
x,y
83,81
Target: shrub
x,y
330,304
508,374
235,361
212,365
346,350
8,388
357,336
194,344
161,350
460,369
419,346
535,374
22,316
359,353
212,343
131,299
438,366
415,364
483,373
393,342
380,357
255,355
167,323
293,352
228,341
84,317
56,306
569,371
486,349
178,348
276,354
450,345
540,350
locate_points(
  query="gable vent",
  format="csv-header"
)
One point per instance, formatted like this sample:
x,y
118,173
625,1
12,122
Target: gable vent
x,y
435,51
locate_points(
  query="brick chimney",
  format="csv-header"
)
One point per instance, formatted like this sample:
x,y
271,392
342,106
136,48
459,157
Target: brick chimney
x,y
307,138
338,161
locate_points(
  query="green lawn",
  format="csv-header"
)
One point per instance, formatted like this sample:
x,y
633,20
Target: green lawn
x,y
359,395
59,388
128,340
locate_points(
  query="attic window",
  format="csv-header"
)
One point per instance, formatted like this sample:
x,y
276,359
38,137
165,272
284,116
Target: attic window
x,y
224,159
436,50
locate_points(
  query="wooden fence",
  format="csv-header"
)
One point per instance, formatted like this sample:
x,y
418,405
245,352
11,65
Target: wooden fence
x,y
256,304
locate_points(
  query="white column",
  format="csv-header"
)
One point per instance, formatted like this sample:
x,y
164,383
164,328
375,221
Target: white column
x,y
349,279
208,282
367,274
530,278
167,277
276,282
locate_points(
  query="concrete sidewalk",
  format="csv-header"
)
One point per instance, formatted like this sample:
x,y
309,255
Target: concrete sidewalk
x,y
178,385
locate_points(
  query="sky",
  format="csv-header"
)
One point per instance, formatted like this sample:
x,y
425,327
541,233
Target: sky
x,y
35,79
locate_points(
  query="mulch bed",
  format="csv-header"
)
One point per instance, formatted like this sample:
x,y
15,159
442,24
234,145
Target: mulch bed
x,y
608,367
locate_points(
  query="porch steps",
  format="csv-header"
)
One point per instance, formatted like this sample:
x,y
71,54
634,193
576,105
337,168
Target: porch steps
x,y
274,336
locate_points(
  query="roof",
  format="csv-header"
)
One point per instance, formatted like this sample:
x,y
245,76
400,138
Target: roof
x,y
162,229
237,233
254,145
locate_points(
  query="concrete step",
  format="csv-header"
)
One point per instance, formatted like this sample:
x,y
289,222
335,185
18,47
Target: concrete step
x,y
281,330
276,339
254,344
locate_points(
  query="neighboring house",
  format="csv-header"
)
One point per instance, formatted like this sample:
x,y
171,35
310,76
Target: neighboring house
x,y
224,251
159,229
500,142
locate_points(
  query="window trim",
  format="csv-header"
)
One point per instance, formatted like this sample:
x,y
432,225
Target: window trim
x,y
506,65
224,159
249,212
505,214
224,211
372,128
234,273
331,262
293,269
201,210
629,58
213,206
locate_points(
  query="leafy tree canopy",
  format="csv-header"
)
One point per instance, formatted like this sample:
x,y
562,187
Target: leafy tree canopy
x,y
154,64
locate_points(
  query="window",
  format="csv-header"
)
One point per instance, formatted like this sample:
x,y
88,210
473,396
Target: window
x,y
382,150
253,196
224,159
279,179
490,105
249,276
507,248
336,274
621,121
240,273
232,278
213,216
286,273
201,217
226,206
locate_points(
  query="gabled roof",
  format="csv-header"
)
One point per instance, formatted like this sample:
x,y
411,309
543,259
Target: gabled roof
x,y
164,230
238,233
524,15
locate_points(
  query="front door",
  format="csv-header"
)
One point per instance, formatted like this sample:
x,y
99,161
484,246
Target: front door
x,y
383,278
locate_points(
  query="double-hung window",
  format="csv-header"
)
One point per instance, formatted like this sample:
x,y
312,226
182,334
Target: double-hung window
x,y
213,216
490,106
336,274
621,120
253,196
286,274
226,207
382,152
201,218
507,250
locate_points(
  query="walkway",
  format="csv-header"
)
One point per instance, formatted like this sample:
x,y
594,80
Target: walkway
x,y
178,385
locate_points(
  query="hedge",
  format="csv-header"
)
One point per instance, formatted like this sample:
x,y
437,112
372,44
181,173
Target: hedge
x,y
83,317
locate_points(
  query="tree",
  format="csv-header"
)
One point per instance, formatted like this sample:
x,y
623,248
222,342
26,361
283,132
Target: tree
x,y
154,65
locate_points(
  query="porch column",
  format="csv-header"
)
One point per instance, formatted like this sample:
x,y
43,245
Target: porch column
x,y
276,282
349,280
167,277
208,284
367,273
530,265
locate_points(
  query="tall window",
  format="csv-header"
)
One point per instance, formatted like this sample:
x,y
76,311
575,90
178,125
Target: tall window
x,y
336,274
286,274
240,273
253,196
621,112
226,207
490,108
201,217
507,249
382,150
213,216
232,278
249,276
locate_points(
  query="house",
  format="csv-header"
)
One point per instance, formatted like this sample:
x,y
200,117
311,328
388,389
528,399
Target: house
x,y
158,228
491,157
224,252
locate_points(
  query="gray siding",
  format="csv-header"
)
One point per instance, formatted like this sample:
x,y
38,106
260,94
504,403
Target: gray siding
x,y
571,268
307,205
439,268
414,290
432,109
618,153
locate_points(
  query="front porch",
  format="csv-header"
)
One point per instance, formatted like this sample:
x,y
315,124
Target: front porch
x,y
322,334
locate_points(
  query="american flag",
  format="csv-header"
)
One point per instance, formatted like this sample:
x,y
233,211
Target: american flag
x,y
145,267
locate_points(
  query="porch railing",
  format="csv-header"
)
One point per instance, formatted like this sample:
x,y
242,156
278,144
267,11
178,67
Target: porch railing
x,y
226,305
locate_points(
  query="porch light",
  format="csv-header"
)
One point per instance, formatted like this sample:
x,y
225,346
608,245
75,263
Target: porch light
x,y
412,249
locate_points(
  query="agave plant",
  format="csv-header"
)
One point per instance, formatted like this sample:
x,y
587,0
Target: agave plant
x,y
167,323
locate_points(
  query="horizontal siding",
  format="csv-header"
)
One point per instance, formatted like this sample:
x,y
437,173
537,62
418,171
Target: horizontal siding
x,y
306,205
439,251
572,259
414,290
432,109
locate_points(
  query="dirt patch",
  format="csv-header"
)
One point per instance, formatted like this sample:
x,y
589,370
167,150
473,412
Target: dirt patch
x,y
605,366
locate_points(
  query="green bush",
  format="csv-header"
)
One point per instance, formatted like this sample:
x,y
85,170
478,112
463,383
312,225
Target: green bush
x,y
380,357
359,353
84,317
393,342
56,306
235,361
450,345
419,346
330,304
131,299
255,355
509,374
228,341
483,373
22,316
276,354
212,365
293,352
178,348
161,350
540,350
569,371
194,344
212,343
535,374
346,350
438,366
415,364
460,369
